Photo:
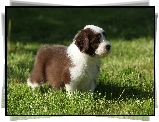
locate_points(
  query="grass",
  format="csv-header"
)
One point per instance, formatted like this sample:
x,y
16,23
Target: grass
x,y
125,85
126,82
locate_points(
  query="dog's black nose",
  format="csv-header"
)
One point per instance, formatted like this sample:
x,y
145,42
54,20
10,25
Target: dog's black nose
x,y
108,47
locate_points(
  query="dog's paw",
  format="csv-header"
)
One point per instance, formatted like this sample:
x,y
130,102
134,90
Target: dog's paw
x,y
32,85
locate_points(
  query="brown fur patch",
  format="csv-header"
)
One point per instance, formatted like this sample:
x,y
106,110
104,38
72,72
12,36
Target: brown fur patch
x,y
51,64
87,41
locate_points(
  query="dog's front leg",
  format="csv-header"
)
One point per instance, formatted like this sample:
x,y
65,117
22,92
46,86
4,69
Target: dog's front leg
x,y
70,89
91,87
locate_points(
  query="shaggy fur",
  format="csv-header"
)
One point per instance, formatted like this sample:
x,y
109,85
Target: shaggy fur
x,y
75,67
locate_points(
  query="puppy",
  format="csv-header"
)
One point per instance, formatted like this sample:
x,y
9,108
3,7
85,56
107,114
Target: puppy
x,y
75,67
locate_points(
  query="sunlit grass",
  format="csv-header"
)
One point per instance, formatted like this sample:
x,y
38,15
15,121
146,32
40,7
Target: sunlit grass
x,y
125,85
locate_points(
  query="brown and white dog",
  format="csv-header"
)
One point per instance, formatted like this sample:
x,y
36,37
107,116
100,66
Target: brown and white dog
x,y
75,67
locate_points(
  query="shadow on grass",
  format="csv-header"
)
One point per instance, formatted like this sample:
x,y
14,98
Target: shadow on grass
x,y
20,47
113,92
57,24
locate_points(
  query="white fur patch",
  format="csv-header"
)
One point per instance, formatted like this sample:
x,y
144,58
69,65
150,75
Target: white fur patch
x,y
85,70
32,85
94,28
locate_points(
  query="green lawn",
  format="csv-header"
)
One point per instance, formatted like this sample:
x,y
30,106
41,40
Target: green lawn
x,y
126,82
125,85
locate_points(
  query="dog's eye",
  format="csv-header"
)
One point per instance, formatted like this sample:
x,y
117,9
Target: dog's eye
x,y
98,39
104,34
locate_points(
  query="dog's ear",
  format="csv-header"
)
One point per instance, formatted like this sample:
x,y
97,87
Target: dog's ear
x,y
82,41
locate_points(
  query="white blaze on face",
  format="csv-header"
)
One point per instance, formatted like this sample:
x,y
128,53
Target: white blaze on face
x,y
101,50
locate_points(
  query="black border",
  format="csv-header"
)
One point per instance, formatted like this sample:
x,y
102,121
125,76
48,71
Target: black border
x,y
6,31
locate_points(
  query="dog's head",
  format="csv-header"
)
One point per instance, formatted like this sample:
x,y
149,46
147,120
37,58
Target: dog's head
x,y
92,41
